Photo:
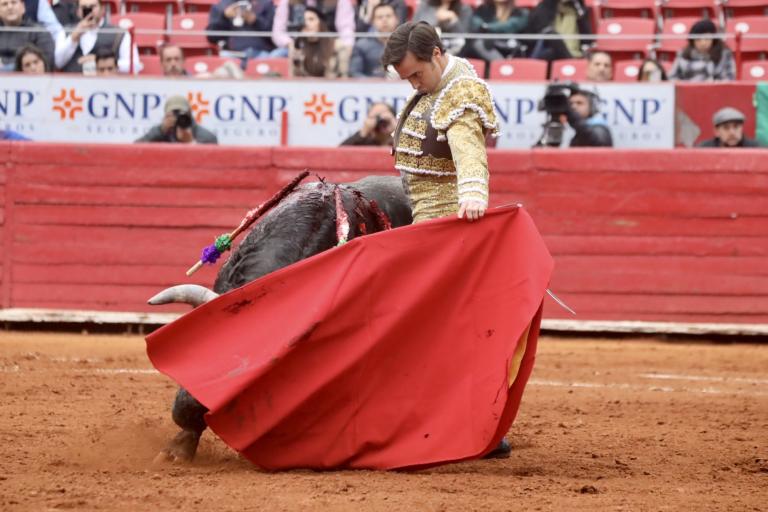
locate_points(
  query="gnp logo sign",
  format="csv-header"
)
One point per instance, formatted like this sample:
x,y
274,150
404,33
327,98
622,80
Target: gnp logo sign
x,y
319,108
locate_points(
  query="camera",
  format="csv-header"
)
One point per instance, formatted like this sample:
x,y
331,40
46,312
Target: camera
x,y
381,124
183,119
87,10
555,103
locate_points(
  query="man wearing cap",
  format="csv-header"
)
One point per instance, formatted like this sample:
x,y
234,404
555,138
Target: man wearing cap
x,y
179,126
729,131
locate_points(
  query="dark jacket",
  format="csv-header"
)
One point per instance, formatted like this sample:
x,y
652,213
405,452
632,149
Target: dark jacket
x,y
356,139
201,135
11,41
366,58
590,132
107,40
265,15
542,19
715,143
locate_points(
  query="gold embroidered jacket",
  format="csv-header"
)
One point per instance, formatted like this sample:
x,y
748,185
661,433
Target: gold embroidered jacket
x,y
439,143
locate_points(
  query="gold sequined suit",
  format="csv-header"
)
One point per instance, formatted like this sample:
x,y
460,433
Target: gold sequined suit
x,y
439,143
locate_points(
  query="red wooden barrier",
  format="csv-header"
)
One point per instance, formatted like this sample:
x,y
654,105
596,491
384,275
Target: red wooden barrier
x,y
637,235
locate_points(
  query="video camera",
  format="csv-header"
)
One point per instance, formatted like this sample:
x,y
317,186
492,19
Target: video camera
x,y
556,104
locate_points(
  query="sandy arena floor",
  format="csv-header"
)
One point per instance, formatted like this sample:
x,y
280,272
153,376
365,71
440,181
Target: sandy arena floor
x,y
605,425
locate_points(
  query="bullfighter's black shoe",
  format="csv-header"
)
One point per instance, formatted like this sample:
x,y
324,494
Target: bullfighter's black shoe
x,y
502,451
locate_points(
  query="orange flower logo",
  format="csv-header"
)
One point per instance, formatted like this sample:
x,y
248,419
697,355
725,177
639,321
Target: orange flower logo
x,y
67,104
319,108
199,105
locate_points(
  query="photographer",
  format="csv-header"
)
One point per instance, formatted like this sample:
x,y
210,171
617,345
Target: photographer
x,y
579,107
179,126
377,128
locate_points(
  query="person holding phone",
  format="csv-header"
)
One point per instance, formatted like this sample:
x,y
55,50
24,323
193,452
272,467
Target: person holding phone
x,y
243,16
76,46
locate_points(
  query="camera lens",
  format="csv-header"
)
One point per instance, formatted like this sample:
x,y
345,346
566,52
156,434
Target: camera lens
x,y
183,120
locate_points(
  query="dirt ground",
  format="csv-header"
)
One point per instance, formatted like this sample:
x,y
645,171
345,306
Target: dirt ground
x,y
605,425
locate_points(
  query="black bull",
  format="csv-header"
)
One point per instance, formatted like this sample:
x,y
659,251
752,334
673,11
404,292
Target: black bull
x,y
301,225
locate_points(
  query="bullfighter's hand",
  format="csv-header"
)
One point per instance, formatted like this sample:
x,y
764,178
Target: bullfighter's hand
x,y
473,210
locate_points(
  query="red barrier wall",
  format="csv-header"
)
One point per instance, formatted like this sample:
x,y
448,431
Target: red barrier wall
x,y
637,235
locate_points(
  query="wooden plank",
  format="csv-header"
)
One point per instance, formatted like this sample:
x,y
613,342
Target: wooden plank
x,y
562,223
149,274
76,295
99,305
371,160
699,246
716,266
49,194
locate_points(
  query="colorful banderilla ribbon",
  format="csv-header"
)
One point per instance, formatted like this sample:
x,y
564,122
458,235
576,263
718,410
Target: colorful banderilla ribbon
x,y
223,242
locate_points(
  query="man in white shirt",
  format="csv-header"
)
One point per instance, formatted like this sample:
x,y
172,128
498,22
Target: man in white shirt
x,y
76,50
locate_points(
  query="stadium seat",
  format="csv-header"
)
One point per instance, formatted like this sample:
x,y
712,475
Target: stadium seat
x,y
151,65
734,8
755,70
193,44
519,69
667,48
645,31
260,68
206,64
626,70
479,65
569,69
697,8
143,21
198,5
154,6
412,6
750,48
625,8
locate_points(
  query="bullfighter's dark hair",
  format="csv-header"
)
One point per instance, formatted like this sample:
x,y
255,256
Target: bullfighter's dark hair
x,y
419,38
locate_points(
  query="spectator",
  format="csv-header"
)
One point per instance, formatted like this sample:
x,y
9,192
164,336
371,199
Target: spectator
x,y
65,11
11,135
705,57
729,131
365,12
377,128
243,16
289,16
106,62
447,16
318,56
40,12
30,60
172,60
77,50
599,67
496,17
366,55
651,70
584,117
178,125
568,18
12,15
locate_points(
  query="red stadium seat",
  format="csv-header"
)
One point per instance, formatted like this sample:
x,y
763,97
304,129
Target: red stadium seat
x,y
151,65
193,44
198,5
755,70
153,6
569,69
412,6
479,65
627,70
753,48
625,8
206,64
668,48
268,67
143,21
519,69
678,8
645,31
734,8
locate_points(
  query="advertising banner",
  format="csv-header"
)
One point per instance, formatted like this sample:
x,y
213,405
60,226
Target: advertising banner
x,y
67,108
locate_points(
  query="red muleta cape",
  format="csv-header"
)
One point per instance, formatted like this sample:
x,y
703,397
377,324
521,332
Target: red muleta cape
x,y
402,349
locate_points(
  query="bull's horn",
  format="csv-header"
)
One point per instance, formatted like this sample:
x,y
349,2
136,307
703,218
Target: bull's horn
x,y
192,294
